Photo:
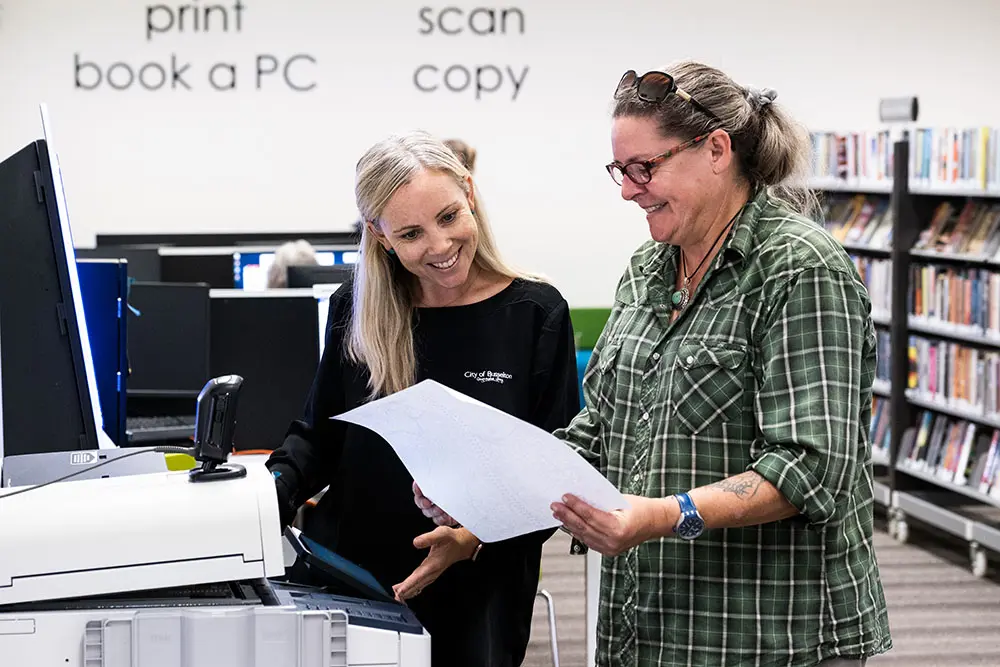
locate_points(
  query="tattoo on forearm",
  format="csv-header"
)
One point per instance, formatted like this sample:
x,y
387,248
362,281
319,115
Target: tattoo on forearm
x,y
745,485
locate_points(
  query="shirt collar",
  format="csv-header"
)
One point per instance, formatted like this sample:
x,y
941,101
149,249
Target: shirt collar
x,y
739,243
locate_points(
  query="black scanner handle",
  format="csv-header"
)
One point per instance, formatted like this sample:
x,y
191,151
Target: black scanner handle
x,y
215,428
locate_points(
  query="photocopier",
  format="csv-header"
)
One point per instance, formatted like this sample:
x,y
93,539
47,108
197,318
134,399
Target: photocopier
x,y
173,569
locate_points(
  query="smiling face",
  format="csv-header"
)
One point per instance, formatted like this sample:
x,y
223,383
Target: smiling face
x,y
429,224
675,197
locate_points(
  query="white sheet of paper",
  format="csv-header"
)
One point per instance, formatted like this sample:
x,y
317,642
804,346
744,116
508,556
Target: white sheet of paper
x,y
495,474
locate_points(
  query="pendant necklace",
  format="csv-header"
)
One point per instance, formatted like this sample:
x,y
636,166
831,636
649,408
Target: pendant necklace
x,y
680,298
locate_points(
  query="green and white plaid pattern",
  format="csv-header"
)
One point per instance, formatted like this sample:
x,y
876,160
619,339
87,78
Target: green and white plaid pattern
x,y
769,369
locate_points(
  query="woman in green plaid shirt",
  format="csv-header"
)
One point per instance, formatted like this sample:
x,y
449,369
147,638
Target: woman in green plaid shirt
x,y
730,396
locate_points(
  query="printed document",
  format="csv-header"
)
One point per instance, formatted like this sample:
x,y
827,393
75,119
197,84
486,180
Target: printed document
x,y
495,474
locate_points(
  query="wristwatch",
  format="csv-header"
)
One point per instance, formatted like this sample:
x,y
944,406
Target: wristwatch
x,y
690,524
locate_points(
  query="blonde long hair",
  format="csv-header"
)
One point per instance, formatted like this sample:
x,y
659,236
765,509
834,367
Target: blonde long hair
x,y
381,334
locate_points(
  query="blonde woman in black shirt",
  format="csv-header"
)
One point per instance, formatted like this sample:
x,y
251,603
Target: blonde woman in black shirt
x,y
431,298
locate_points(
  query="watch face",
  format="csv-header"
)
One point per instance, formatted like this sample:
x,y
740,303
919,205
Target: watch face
x,y
690,528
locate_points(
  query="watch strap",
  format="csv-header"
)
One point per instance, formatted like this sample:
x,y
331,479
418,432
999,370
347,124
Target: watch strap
x,y
686,504
688,512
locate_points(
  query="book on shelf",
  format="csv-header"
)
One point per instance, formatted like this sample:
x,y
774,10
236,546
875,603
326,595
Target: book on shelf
x,y
963,299
955,375
959,157
881,429
876,274
859,220
988,479
940,158
883,356
972,230
864,156
953,451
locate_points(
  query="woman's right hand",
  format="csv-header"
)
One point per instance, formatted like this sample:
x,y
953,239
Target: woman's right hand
x,y
430,510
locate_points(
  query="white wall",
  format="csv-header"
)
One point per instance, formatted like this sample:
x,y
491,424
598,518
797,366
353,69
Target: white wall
x,y
276,159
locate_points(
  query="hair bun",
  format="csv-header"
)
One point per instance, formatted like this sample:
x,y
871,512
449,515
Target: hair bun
x,y
761,97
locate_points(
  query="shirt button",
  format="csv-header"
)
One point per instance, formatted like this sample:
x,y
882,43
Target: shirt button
x,y
645,416
636,477
656,356
690,360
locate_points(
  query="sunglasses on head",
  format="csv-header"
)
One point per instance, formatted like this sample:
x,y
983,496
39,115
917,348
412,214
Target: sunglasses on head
x,y
655,86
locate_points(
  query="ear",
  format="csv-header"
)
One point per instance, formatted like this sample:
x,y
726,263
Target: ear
x,y
471,193
376,231
720,147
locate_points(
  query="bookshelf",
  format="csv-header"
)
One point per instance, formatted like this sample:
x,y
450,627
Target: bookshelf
x,y
919,213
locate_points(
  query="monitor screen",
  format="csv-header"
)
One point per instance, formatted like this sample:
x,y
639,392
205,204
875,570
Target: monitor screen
x,y
250,268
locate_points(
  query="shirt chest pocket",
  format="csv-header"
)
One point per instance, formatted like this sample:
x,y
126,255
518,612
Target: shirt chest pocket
x,y
707,386
604,374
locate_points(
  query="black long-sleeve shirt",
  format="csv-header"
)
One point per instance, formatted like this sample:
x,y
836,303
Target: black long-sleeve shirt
x,y
514,351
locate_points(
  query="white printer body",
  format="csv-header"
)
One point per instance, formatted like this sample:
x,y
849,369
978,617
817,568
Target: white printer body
x,y
155,570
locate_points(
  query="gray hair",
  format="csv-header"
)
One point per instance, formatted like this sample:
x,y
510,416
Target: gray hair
x,y
293,253
773,150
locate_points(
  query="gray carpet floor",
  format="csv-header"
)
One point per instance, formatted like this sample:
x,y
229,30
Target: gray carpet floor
x,y
939,614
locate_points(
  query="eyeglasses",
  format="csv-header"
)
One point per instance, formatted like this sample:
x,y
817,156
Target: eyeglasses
x,y
655,86
641,172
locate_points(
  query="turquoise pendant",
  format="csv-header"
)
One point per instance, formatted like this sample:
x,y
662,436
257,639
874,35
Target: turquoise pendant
x,y
680,298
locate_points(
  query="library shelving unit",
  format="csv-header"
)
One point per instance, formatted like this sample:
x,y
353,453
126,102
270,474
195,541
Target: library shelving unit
x,y
934,275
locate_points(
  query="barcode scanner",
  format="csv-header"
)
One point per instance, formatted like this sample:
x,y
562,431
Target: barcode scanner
x,y
215,426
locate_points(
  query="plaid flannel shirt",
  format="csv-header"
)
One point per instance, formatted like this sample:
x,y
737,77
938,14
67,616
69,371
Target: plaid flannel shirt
x,y
769,368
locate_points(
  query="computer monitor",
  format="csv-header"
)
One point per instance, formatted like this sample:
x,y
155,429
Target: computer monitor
x,y
49,389
270,339
104,287
250,268
168,340
224,267
307,276
143,263
188,265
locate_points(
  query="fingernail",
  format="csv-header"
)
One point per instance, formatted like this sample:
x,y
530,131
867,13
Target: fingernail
x,y
565,499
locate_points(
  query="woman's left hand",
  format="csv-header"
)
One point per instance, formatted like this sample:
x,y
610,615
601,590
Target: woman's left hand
x,y
447,547
611,533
